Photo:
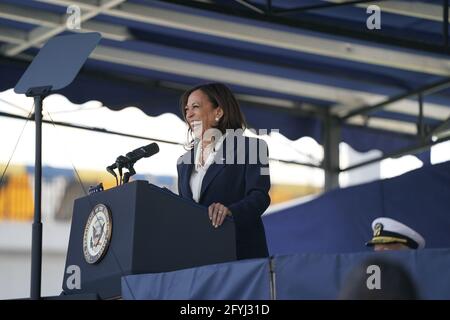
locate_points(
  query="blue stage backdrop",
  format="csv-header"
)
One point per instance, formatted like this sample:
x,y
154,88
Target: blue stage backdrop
x,y
340,221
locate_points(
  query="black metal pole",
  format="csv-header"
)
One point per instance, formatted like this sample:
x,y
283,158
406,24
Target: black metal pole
x,y
324,6
250,6
445,23
331,138
420,124
402,152
36,245
424,90
444,125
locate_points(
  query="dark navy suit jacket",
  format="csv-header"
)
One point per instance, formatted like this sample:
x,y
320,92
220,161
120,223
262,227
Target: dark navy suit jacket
x,y
239,186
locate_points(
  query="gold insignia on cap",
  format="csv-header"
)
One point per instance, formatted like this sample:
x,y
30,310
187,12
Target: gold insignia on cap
x,y
377,229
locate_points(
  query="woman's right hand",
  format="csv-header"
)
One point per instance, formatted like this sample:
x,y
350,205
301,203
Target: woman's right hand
x,y
217,213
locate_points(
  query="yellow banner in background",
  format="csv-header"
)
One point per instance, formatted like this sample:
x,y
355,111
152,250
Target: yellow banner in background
x,y
16,197
62,187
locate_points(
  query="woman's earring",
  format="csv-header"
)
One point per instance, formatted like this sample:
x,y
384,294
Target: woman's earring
x,y
217,119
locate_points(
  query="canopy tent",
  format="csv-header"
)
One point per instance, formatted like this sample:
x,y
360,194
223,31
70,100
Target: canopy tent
x,y
316,71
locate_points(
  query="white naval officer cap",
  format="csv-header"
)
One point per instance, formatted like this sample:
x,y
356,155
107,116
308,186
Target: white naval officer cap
x,y
387,230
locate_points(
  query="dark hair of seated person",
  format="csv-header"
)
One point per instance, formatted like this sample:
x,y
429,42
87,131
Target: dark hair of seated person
x,y
395,282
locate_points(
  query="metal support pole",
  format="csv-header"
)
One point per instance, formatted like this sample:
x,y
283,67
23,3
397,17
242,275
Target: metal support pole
x,y
445,24
269,8
36,246
325,6
423,146
424,90
420,128
331,139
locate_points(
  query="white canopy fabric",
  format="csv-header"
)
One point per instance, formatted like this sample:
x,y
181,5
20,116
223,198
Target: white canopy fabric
x,y
64,147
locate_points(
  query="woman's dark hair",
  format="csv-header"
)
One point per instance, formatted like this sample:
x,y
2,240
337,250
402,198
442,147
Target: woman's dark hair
x,y
219,95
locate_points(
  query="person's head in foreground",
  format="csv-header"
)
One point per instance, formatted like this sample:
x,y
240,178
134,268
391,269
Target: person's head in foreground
x,y
390,234
379,278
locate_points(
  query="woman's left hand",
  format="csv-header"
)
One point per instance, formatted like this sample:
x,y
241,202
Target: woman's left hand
x,y
217,213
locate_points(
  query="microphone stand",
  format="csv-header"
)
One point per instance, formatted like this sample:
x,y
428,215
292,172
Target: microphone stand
x,y
110,169
122,162
131,172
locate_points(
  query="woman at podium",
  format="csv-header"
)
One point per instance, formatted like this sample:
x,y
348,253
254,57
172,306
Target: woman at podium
x,y
223,169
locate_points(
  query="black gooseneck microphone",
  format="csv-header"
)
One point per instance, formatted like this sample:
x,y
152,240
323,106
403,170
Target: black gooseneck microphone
x,y
129,160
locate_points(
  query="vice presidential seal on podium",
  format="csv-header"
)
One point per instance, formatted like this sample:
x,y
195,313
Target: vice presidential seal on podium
x,y
97,234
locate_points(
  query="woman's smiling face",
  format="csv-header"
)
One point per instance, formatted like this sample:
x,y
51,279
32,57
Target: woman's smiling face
x,y
200,113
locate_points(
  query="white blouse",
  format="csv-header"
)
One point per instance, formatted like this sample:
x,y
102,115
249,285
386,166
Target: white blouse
x,y
199,171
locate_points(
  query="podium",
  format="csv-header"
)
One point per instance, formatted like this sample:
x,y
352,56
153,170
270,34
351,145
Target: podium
x,y
150,230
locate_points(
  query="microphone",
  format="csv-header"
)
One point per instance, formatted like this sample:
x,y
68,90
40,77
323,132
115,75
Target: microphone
x,y
142,152
131,158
